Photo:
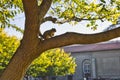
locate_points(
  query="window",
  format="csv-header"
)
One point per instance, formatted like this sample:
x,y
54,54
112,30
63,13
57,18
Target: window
x,y
86,68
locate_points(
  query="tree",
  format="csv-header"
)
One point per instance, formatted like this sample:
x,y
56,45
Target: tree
x,y
52,63
8,45
31,46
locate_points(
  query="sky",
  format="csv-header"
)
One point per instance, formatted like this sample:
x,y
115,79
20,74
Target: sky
x,y
61,28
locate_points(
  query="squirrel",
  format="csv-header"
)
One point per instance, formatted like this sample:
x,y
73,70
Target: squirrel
x,y
48,34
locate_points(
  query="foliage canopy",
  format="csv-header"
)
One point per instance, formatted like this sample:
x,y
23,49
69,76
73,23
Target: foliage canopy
x,y
52,63
67,11
89,10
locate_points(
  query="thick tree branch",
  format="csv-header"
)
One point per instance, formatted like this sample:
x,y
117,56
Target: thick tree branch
x,y
76,38
30,8
44,7
31,19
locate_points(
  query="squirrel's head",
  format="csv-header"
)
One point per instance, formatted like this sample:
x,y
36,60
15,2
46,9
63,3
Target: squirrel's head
x,y
53,29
